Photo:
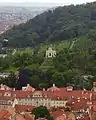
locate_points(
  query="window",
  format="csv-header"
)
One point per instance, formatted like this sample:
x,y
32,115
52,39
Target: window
x,y
7,94
50,54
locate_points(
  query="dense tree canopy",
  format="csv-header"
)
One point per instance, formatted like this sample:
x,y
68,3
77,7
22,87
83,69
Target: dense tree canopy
x,y
54,25
41,112
61,27
68,68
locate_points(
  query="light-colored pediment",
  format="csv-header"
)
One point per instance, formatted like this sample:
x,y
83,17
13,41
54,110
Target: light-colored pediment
x,y
37,94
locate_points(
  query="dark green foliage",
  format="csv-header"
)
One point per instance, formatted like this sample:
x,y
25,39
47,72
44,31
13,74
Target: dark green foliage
x,y
92,35
41,112
54,25
10,81
67,68
70,65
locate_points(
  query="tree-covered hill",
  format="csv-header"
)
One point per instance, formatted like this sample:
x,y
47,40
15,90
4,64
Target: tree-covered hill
x,y
70,66
54,25
72,30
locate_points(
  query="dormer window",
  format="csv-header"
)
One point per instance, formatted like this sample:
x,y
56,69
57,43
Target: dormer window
x,y
7,94
50,55
37,94
69,88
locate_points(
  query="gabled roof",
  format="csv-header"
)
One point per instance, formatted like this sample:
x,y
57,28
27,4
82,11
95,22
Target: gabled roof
x,y
53,88
52,93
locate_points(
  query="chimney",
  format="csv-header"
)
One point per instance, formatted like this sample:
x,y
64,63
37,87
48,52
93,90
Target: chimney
x,y
28,85
53,85
13,89
43,89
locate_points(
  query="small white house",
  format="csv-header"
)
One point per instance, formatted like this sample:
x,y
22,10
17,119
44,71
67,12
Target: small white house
x,y
50,53
4,75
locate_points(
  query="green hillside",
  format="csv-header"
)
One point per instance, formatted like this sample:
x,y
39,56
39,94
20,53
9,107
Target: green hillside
x,y
71,31
67,68
55,25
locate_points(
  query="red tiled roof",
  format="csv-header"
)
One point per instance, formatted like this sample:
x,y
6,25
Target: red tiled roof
x,y
19,117
62,93
94,116
15,94
94,108
30,88
57,113
21,94
54,88
11,110
69,116
22,108
86,117
60,115
28,116
78,104
4,114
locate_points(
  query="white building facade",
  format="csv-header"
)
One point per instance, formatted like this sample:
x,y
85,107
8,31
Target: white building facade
x,y
50,53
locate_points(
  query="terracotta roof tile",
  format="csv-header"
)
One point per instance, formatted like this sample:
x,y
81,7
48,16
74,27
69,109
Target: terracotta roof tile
x,y
62,93
28,116
57,113
4,114
22,108
94,116
78,104
19,117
